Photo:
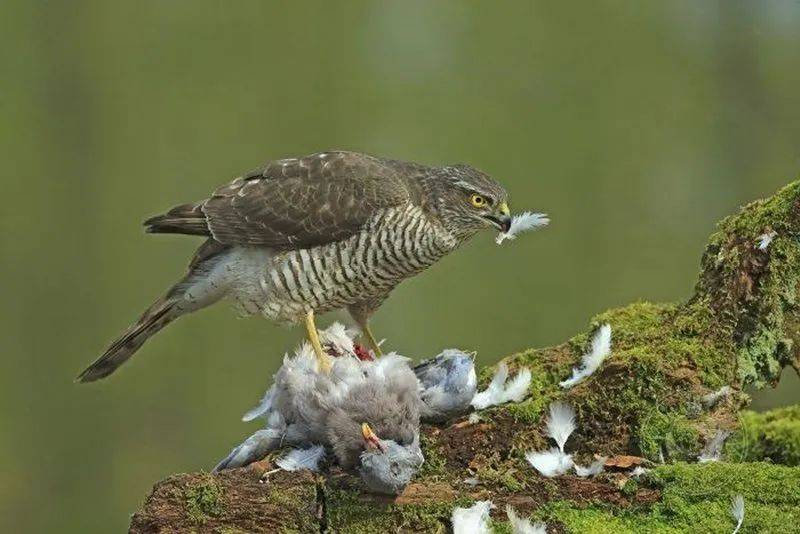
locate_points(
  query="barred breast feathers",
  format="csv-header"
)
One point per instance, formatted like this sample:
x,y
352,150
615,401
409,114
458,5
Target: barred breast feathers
x,y
394,245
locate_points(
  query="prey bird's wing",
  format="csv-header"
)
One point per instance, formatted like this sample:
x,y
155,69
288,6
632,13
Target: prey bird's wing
x,y
432,371
294,203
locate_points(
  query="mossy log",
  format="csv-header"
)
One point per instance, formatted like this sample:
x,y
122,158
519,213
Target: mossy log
x,y
649,400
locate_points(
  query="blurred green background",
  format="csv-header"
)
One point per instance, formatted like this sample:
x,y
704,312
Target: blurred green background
x,y
635,125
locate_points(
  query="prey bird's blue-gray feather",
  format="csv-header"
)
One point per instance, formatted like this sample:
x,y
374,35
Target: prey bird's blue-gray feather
x,y
447,384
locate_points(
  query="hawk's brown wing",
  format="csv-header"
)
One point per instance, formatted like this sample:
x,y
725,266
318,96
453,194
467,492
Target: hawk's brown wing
x,y
294,203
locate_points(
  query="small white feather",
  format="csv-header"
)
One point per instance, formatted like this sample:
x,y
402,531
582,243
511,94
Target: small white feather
x,y
639,471
550,463
474,418
517,389
522,223
339,339
561,423
591,361
491,394
472,520
595,468
500,391
520,525
764,240
737,512
297,459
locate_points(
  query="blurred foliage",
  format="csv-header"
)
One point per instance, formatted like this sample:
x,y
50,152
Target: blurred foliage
x,y
635,125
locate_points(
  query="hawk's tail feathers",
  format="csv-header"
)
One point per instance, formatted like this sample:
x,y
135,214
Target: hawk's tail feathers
x,y
186,219
160,314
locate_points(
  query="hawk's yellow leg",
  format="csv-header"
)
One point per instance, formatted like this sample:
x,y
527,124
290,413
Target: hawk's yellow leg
x,y
323,359
371,340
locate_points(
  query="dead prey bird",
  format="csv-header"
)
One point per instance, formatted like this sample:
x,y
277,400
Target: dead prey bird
x,y
299,237
365,412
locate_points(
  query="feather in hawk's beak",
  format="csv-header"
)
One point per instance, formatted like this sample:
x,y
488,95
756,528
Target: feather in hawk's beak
x,y
371,440
502,217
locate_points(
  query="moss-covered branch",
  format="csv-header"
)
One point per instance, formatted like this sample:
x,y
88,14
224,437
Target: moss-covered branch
x,y
649,399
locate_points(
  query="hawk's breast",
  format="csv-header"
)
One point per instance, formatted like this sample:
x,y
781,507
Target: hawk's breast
x,y
394,245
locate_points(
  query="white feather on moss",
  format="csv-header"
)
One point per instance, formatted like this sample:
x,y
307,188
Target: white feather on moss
x,y
561,423
550,463
517,389
593,469
297,459
765,239
472,520
520,525
737,512
639,471
591,361
522,223
501,391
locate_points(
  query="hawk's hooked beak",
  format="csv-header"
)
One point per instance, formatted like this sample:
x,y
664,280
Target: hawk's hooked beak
x,y
502,219
371,439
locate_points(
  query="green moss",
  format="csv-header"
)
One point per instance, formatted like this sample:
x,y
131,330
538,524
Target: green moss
x,y
773,435
662,356
504,477
671,434
754,292
349,512
649,381
695,498
435,465
289,500
630,488
203,500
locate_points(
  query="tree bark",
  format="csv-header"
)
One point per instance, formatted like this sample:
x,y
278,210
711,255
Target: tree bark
x,y
649,400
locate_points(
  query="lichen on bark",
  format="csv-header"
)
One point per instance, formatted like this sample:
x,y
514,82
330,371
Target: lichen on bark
x,y
740,328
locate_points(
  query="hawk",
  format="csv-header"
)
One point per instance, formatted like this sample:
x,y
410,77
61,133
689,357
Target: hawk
x,y
303,236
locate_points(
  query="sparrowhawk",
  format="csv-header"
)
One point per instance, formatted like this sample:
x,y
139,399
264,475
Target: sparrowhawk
x,y
302,236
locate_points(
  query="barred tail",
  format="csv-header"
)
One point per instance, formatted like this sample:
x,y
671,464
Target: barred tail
x,y
160,314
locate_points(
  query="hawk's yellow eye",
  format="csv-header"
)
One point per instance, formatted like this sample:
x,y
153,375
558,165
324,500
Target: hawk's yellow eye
x,y
478,201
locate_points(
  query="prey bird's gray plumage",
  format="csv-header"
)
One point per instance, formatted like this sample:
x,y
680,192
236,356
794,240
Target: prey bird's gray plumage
x,y
334,230
365,412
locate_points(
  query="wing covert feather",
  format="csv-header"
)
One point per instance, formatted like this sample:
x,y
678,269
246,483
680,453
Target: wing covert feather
x,y
298,203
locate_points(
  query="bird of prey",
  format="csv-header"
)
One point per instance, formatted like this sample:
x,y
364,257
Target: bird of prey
x,y
365,411
299,237
447,384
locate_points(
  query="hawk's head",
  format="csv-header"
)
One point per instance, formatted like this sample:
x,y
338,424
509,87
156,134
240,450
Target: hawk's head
x,y
469,200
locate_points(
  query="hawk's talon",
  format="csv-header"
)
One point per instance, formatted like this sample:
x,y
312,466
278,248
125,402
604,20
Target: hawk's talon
x,y
323,360
371,340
